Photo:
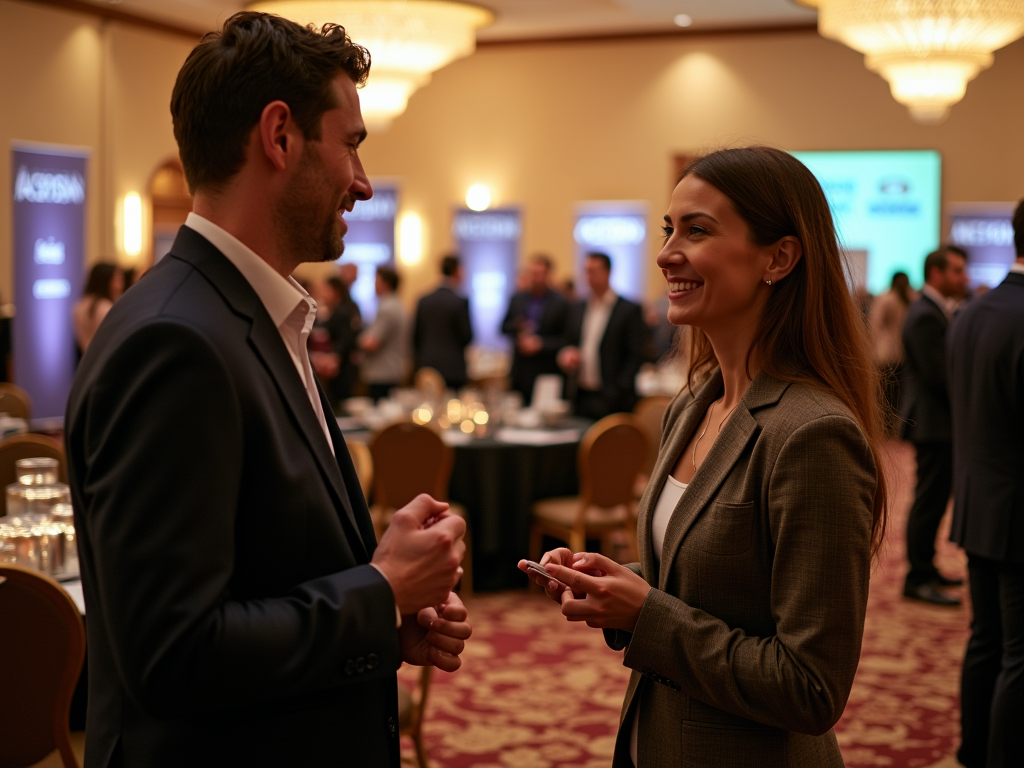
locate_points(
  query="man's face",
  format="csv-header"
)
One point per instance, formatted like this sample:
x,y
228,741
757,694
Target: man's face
x,y
327,181
597,277
538,276
954,276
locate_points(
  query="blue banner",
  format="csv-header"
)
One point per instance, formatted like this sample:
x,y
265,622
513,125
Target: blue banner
x,y
488,242
49,254
985,231
370,243
617,228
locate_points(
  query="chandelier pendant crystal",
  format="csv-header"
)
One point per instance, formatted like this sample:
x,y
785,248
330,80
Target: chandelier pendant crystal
x,y
928,50
407,39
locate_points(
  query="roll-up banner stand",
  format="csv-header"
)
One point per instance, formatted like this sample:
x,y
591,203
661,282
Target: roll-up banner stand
x,y
49,184
985,231
370,243
488,242
617,228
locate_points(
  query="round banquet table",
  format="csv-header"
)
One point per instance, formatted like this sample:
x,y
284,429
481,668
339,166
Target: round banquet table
x,y
496,480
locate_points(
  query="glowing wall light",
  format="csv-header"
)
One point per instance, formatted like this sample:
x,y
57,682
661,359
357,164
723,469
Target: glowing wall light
x,y
410,238
132,224
478,197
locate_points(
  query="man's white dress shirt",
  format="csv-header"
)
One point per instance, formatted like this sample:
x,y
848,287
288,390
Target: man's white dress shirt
x,y
291,309
595,320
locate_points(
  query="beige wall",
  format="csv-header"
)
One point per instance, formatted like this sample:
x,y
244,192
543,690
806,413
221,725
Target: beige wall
x,y
544,125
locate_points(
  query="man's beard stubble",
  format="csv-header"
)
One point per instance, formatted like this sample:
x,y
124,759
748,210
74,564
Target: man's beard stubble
x,y
304,232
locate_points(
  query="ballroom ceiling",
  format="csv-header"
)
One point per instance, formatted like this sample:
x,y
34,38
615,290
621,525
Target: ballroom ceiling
x,y
532,19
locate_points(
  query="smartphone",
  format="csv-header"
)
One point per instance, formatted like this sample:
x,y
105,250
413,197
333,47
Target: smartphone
x,y
539,569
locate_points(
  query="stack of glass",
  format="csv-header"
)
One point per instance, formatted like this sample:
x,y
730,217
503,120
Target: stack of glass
x,y
38,531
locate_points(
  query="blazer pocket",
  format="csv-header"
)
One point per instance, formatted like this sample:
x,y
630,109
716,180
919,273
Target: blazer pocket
x,y
726,528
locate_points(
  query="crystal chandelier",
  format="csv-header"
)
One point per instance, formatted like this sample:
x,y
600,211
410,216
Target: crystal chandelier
x,y
927,50
407,40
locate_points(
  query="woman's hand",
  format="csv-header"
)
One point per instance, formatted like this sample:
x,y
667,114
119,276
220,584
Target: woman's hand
x,y
561,556
612,600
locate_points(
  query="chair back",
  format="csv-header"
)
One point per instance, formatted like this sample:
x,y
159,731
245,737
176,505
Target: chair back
x,y
29,446
409,459
15,401
362,459
42,644
649,413
610,457
430,383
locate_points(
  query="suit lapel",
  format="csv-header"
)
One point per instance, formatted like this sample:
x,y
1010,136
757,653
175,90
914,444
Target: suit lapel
x,y
266,341
678,437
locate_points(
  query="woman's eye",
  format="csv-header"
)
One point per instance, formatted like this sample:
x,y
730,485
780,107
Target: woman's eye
x,y
667,231
696,230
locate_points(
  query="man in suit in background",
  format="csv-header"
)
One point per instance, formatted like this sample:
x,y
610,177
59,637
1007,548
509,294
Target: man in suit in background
x,y
926,419
605,349
986,387
537,319
442,330
240,609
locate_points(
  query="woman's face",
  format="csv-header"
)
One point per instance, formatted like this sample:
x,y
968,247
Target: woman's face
x,y
116,284
715,272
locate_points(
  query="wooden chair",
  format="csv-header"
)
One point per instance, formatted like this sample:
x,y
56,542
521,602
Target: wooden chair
x,y
649,412
610,457
430,383
43,644
30,446
15,401
363,461
410,459
411,708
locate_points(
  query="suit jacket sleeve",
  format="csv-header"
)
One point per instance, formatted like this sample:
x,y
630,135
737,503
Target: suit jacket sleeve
x,y
510,325
465,324
162,490
633,354
799,678
553,336
925,340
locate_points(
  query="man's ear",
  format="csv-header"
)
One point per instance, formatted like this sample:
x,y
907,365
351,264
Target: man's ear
x,y
277,134
785,255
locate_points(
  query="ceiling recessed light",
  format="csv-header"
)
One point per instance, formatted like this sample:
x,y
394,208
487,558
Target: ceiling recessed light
x,y
683,20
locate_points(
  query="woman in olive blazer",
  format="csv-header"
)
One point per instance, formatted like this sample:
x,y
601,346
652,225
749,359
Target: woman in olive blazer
x,y
743,620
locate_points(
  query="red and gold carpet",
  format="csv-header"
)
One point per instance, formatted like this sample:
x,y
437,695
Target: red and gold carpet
x,y
538,692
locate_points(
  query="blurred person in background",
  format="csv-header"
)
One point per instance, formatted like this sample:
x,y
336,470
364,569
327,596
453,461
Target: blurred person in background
x,y
986,389
441,327
332,341
103,287
926,419
383,341
661,333
886,318
537,320
568,289
605,346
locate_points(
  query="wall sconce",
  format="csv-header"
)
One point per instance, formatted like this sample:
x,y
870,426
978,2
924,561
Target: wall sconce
x,y
132,224
410,238
478,197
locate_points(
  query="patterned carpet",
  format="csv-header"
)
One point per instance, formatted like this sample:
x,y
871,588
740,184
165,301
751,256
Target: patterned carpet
x,y
537,692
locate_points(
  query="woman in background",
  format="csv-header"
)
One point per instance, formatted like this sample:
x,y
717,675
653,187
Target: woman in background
x,y
886,318
385,356
104,286
743,620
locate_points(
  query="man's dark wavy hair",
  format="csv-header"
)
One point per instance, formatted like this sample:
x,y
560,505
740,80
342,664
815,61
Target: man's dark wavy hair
x,y
230,77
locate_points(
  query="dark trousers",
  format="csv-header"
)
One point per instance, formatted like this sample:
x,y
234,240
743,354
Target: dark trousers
x,y
992,682
934,482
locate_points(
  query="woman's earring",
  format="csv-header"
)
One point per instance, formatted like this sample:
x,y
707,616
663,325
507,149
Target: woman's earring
x,y
768,281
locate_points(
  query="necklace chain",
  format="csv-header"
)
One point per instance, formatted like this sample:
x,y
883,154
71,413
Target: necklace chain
x,y
711,410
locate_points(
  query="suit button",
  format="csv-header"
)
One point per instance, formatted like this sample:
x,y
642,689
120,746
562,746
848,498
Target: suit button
x,y
371,661
360,665
391,726
350,667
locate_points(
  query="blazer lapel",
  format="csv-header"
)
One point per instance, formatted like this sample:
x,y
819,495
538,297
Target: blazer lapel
x,y
266,340
678,437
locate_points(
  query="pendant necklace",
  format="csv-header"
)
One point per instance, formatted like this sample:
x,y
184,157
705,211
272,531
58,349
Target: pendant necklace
x,y
711,410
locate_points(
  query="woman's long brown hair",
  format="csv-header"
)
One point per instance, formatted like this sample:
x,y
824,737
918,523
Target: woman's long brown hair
x,y
811,331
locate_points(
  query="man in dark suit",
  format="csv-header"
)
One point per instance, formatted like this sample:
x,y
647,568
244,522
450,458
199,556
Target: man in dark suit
x,y
333,340
926,419
240,609
605,349
442,330
537,320
986,383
